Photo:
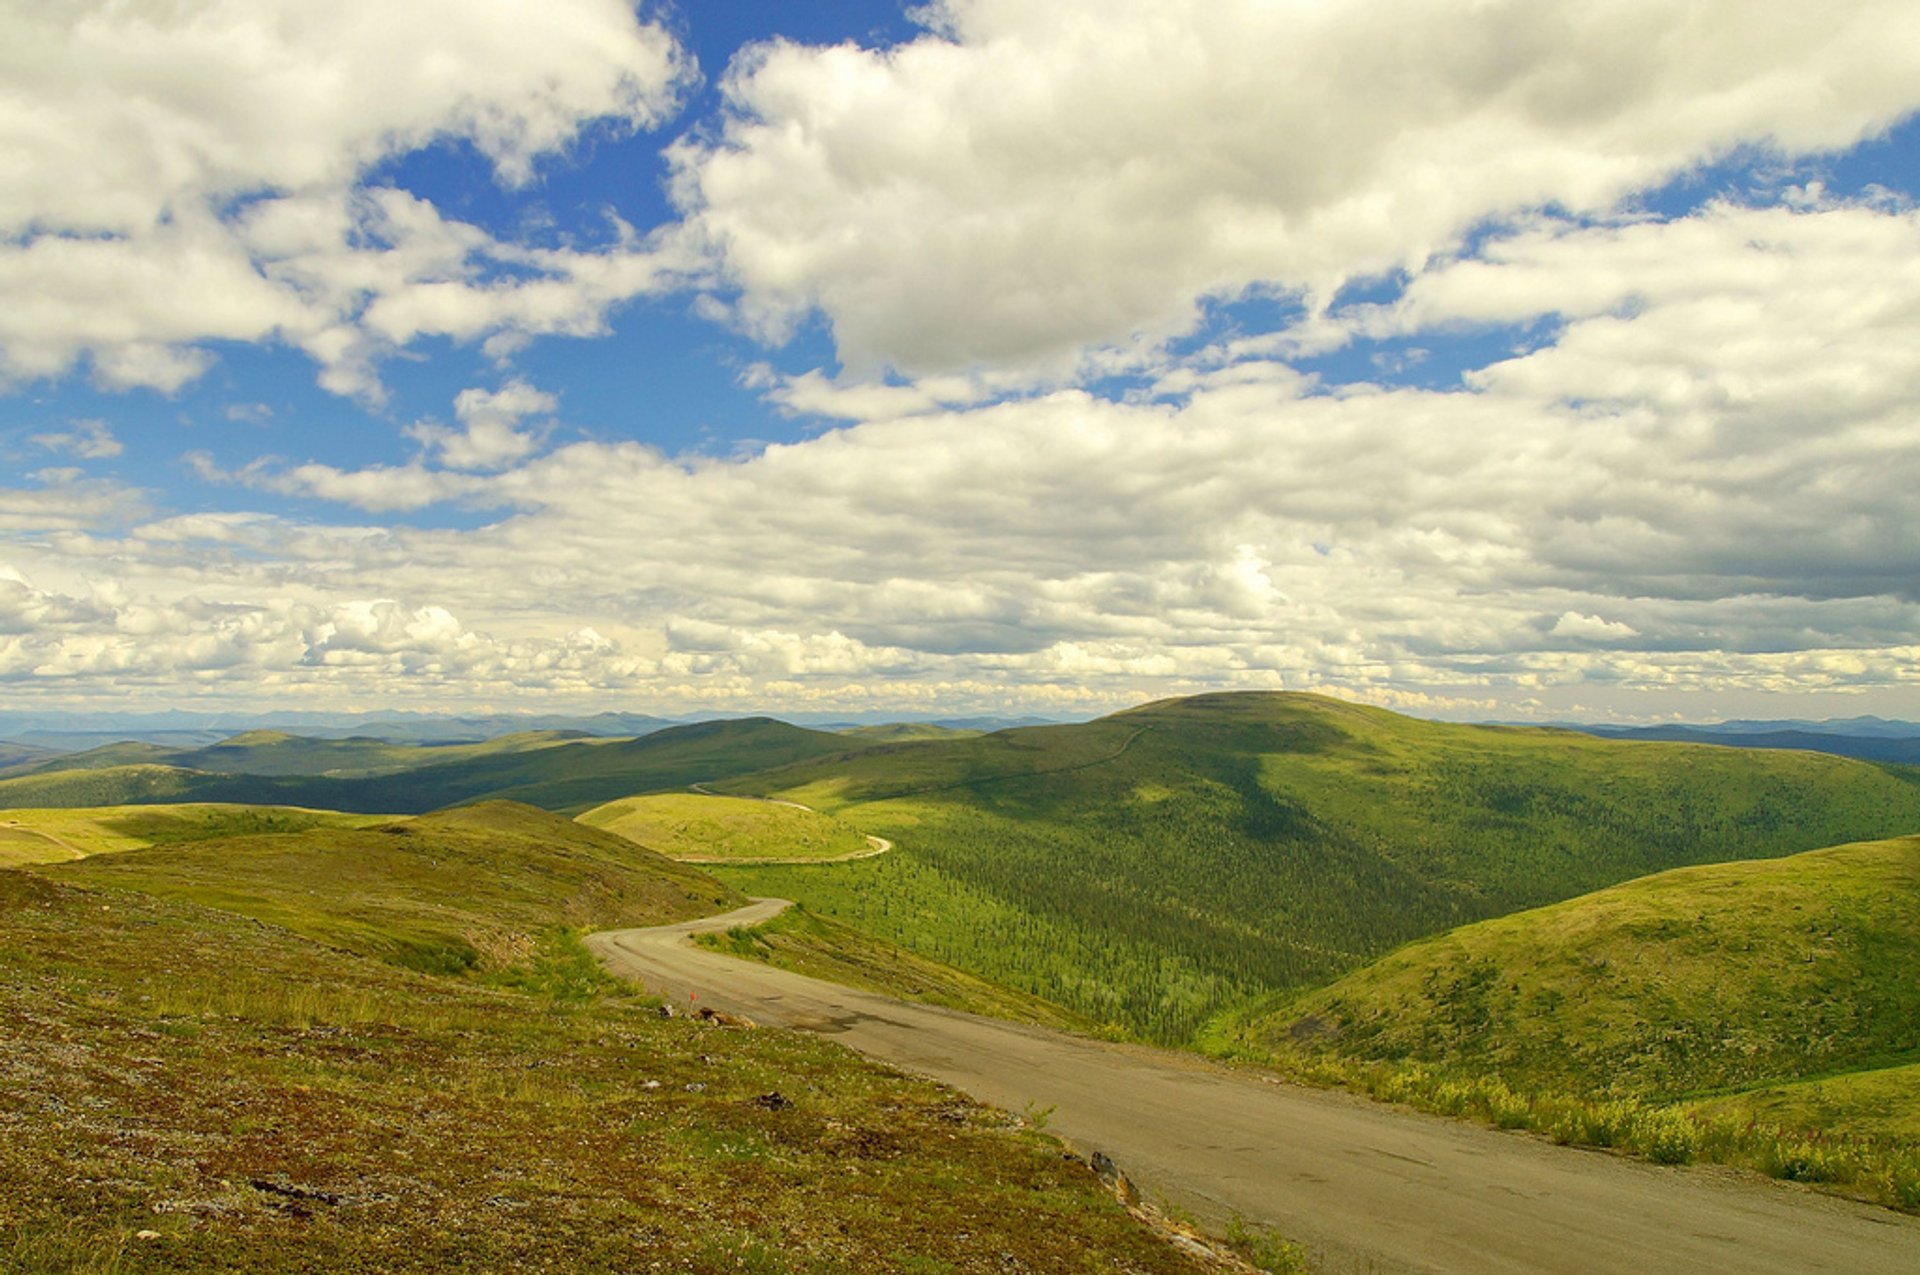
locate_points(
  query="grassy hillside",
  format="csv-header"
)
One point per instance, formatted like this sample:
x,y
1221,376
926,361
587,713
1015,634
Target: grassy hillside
x,y
1156,867
1883,1103
150,784
15,753
272,752
1727,976
124,753
554,773
54,836
905,732
1781,989
801,941
266,752
185,1089
697,828
581,776
475,888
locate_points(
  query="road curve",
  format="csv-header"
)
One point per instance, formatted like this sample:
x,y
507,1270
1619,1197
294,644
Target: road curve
x,y
1368,1188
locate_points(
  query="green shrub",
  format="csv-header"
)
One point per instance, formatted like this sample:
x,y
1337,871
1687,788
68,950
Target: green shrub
x,y
1507,1109
1666,1136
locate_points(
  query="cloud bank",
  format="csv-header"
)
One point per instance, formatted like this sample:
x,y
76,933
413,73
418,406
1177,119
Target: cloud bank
x,y
1053,466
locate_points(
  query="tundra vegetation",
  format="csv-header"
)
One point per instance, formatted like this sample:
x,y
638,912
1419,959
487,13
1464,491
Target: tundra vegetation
x,y
697,828
383,1050
54,836
1758,1013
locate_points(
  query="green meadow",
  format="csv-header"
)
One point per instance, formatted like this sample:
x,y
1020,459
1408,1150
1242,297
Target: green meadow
x,y
56,835
698,828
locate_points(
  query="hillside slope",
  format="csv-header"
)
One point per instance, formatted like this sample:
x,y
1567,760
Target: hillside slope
x,y
272,752
1726,976
697,828
57,835
187,1089
1155,867
553,773
471,888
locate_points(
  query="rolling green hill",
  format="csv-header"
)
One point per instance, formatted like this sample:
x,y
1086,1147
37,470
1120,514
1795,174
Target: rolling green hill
x,y
267,752
14,753
149,784
905,732
54,836
270,752
1883,1103
1725,976
128,753
1760,1013
697,828
1159,866
821,947
541,770
473,888
580,776
190,1083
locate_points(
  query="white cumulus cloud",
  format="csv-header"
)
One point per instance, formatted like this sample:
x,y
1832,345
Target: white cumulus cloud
x,y
1030,182
174,174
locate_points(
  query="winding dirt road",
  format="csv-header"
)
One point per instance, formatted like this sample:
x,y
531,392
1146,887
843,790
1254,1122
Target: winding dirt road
x,y
1368,1188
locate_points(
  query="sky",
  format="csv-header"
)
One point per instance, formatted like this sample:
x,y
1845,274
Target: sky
x,y
1499,359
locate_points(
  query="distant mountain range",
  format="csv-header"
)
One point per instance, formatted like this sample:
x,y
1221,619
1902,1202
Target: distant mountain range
x,y
1867,738
28,737
24,736
1863,727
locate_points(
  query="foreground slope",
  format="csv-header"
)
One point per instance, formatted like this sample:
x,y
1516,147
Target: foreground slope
x,y
185,1088
1157,866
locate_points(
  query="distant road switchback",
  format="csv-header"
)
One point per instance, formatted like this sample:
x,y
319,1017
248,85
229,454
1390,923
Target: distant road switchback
x,y
1368,1188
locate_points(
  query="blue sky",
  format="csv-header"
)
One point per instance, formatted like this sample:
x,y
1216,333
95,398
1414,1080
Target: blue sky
x,y
1485,361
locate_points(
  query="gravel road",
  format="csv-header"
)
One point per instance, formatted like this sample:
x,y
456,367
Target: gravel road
x,y
1367,1187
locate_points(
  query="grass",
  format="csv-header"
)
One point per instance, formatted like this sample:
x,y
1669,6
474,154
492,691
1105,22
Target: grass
x,y
1761,1014
58,835
188,1089
478,888
1881,1102
902,732
807,943
697,828
1159,867
1875,1165
1727,976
